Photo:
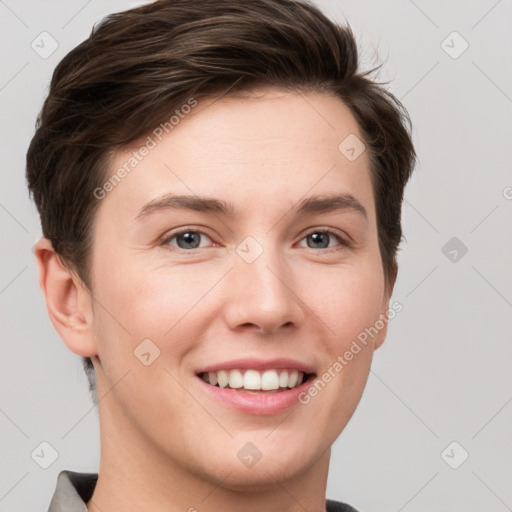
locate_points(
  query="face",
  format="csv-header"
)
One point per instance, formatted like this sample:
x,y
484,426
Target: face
x,y
265,271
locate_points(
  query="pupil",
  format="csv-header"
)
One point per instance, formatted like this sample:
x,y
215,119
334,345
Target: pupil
x,y
319,238
188,237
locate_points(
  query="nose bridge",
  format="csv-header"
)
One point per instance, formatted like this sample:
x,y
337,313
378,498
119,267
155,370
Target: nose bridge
x,y
261,292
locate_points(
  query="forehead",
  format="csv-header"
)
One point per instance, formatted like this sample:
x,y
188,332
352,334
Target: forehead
x,y
272,146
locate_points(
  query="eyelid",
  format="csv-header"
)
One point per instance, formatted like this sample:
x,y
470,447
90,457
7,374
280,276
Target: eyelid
x,y
169,236
344,240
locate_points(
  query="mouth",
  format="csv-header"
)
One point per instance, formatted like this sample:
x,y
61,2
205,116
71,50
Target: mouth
x,y
256,386
253,381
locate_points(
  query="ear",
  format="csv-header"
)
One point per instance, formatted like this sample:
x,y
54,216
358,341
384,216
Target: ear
x,y
389,286
67,299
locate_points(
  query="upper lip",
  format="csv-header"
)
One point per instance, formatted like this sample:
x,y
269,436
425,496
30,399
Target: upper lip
x,y
258,364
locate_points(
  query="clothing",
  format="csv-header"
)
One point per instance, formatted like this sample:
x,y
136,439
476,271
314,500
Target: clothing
x,y
74,490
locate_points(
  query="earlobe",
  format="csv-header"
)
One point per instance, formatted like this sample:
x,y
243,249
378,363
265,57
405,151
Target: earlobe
x,y
381,337
384,316
68,301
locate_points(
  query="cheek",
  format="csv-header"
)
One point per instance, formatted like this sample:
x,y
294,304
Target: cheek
x,y
153,300
348,299
351,303
148,299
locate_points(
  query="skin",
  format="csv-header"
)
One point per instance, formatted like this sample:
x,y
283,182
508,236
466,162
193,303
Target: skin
x,y
165,443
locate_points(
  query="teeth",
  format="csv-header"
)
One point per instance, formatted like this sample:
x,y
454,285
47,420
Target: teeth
x,y
236,379
269,380
222,378
292,378
252,379
266,380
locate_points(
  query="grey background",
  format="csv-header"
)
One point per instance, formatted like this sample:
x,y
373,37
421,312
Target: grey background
x,y
444,372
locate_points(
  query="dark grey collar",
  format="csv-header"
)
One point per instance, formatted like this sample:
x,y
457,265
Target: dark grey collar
x,y
73,491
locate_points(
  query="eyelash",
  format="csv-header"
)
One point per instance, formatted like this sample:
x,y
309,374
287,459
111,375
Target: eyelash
x,y
343,242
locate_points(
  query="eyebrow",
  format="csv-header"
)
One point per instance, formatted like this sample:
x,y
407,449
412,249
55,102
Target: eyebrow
x,y
322,204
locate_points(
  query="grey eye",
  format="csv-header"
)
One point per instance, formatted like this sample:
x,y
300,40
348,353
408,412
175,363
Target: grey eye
x,y
187,239
319,240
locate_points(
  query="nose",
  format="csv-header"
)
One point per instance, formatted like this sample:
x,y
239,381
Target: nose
x,y
262,295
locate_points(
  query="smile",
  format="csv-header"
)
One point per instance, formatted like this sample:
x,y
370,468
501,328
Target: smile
x,y
253,400
251,380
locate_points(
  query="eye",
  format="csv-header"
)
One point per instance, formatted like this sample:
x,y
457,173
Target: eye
x,y
186,239
190,239
320,239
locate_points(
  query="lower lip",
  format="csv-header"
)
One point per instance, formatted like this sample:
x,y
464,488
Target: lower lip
x,y
258,403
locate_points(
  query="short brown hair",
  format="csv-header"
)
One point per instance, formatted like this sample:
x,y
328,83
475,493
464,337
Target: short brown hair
x,y
139,65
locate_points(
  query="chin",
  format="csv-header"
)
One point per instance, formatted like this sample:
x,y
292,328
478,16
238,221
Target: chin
x,y
260,477
262,474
